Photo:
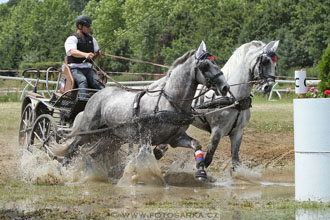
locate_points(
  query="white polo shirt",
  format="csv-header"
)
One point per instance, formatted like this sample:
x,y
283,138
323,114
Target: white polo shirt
x,y
71,43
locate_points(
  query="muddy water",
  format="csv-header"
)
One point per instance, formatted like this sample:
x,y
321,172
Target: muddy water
x,y
88,189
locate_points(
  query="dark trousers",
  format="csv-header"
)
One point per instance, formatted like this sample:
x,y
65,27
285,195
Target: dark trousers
x,y
86,78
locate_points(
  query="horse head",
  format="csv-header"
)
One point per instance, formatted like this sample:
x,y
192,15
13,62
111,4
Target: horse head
x,y
264,68
207,72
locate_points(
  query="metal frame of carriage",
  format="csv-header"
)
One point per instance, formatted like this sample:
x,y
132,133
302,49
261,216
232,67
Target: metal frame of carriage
x,y
46,119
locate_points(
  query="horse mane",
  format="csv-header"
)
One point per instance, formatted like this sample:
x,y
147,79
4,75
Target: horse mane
x,y
240,54
180,60
161,82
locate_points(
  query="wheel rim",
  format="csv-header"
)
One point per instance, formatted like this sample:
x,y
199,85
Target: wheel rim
x,y
26,125
43,134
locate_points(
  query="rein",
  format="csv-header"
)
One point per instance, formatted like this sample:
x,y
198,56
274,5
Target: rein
x,y
141,90
137,61
125,87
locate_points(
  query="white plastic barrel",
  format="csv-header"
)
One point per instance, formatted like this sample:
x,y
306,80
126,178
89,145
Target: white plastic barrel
x,y
312,149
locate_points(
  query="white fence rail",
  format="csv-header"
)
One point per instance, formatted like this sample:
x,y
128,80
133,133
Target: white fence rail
x,y
275,89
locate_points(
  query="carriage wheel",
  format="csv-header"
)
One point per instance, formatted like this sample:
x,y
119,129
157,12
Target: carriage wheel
x,y
25,127
44,135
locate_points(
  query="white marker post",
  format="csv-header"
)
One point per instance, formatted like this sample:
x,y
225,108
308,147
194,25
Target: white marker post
x,y
300,77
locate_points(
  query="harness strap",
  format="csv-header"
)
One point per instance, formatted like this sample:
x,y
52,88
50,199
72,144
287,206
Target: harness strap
x,y
136,103
235,123
203,119
173,103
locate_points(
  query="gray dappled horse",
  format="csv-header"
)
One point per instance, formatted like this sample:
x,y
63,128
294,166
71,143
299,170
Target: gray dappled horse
x,y
252,62
159,118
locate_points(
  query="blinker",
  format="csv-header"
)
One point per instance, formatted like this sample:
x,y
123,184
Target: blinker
x,y
272,55
206,56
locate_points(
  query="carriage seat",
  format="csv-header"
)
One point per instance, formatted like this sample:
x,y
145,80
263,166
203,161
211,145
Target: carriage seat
x,y
67,80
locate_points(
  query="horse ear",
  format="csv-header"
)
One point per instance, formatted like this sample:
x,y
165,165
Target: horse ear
x,y
275,46
271,46
201,50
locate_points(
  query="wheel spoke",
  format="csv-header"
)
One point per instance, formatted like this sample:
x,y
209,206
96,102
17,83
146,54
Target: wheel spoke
x,y
25,122
41,129
36,135
48,149
36,146
44,134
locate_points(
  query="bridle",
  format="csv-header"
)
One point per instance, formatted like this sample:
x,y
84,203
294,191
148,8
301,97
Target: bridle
x,y
257,72
201,65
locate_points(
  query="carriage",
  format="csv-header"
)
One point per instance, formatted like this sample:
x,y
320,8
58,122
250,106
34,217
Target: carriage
x,y
45,119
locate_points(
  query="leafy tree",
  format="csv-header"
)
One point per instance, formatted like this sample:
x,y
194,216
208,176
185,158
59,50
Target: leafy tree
x,y
310,23
12,36
324,70
11,3
145,27
107,16
35,36
161,31
78,5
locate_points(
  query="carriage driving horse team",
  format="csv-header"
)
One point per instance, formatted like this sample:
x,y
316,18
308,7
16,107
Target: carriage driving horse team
x,y
194,91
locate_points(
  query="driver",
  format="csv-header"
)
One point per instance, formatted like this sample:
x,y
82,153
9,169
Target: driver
x,y
81,48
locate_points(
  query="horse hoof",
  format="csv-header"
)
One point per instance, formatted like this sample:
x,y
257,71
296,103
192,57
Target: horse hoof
x,y
158,153
201,175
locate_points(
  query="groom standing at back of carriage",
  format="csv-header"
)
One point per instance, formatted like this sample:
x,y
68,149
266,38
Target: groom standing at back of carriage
x,y
81,48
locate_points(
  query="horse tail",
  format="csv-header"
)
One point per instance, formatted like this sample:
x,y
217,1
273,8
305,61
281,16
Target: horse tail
x,y
76,124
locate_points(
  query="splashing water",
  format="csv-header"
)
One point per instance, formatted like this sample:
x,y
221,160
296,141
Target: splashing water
x,y
182,173
38,168
142,169
247,174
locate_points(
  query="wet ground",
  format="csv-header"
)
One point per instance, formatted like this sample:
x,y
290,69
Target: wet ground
x,y
144,193
35,187
227,198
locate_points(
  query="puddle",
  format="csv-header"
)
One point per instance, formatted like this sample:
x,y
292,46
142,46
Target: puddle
x,y
302,214
94,188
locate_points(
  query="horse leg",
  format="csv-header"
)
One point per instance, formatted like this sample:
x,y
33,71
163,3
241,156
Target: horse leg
x,y
235,139
214,142
185,141
160,150
72,149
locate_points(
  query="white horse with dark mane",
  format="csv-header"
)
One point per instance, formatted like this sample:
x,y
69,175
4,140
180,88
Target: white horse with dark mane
x,y
252,63
161,117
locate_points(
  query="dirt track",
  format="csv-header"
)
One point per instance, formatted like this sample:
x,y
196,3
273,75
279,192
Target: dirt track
x,y
263,150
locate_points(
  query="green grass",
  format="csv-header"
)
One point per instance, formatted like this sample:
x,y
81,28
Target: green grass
x,y
272,116
10,117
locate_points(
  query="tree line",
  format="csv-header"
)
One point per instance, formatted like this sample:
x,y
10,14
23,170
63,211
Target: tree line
x,y
33,31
